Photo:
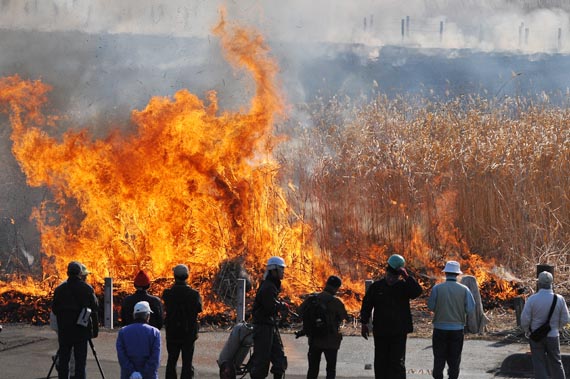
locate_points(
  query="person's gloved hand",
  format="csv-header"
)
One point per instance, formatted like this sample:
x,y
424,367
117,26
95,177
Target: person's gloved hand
x,y
136,375
364,332
404,273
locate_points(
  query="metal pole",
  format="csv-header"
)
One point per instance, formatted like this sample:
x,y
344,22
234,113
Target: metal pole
x,y
403,30
440,31
108,303
240,300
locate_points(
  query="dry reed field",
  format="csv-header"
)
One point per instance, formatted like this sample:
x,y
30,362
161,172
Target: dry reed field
x,y
478,180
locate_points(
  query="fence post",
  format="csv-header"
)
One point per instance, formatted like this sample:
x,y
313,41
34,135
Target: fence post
x,y
108,290
240,300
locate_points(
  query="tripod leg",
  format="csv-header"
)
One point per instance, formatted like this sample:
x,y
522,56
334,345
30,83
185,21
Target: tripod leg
x,y
96,359
52,364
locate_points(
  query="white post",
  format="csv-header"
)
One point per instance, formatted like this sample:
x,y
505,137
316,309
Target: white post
x,y
108,303
240,300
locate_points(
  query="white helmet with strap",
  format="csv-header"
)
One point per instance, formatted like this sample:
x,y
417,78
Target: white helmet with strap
x,y
275,262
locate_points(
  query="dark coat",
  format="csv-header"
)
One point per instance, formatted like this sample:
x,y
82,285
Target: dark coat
x,y
129,305
179,300
266,305
391,304
69,299
336,313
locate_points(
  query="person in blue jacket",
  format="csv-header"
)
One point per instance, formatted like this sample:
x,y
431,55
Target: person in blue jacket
x,y
450,302
138,346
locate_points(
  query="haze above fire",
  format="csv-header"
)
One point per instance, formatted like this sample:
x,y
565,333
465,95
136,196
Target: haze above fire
x,y
487,25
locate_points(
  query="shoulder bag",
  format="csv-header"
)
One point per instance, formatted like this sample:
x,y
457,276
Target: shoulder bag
x,y
542,331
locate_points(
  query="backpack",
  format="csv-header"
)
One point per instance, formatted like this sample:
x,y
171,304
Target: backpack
x,y
315,317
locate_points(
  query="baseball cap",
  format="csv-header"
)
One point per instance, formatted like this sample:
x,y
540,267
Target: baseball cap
x,y
142,307
73,268
545,278
181,271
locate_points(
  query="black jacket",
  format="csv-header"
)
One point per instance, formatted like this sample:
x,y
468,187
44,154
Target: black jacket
x,y
129,305
391,304
69,299
336,313
266,305
182,305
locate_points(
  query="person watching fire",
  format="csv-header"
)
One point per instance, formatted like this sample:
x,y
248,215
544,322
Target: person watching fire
x,y
142,284
450,302
267,344
537,310
390,298
138,345
182,305
327,343
76,309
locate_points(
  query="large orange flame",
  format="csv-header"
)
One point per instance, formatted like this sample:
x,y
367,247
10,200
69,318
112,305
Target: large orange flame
x,y
193,185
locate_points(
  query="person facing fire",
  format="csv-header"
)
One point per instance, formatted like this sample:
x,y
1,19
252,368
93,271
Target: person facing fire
x,y
328,341
267,344
182,305
390,298
76,308
450,302
138,346
540,307
142,284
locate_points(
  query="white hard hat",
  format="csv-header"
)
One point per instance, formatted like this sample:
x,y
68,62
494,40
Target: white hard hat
x,y
274,262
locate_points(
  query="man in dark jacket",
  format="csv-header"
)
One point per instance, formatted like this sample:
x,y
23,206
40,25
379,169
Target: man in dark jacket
x,y
182,305
267,344
142,284
70,299
390,298
329,343
138,346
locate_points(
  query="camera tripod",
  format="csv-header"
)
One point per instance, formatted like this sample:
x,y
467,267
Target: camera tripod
x,y
94,354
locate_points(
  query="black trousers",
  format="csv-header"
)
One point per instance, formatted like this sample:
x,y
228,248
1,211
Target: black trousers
x,y
174,348
314,356
390,356
79,353
267,349
447,348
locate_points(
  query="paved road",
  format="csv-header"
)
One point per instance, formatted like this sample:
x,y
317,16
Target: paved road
x,y
26,351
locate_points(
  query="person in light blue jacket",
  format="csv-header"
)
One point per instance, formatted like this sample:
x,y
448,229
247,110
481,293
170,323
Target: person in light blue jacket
x,y
545,353
138,346
451,302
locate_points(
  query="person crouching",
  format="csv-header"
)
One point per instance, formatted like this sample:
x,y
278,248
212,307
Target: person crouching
x,y
138,346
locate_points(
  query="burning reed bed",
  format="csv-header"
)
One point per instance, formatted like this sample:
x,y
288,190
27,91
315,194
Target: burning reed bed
x,y
485,182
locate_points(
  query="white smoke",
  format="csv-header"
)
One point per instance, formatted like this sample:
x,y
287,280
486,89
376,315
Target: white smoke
x,y
505,25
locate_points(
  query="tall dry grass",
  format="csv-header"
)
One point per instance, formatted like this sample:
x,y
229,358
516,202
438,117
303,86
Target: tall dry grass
x,y
434,179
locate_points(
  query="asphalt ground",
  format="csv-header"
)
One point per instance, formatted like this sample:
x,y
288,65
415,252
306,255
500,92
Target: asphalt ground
x,y
26,353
